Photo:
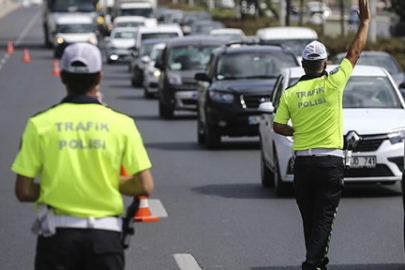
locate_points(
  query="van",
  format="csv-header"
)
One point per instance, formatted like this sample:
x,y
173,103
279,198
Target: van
x,y
157,32
294,37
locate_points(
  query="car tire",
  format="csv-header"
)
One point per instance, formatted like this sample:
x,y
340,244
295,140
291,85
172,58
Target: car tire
x,y
212,137
164,112
280,187
267,176
200,132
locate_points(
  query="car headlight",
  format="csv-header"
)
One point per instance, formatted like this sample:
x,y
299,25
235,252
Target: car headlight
x,y
396,135
222,97
156,73
60,40
174,79
93,40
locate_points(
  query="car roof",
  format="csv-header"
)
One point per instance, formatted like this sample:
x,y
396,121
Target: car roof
x,y
129,19
226,31
365,53
229,49
124,29
195,40
136,4
275,33
153,41
359,70
160,29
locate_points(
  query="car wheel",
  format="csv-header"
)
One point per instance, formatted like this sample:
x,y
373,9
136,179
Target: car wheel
x,y
200,132
212,137
266,175
280,187
165,112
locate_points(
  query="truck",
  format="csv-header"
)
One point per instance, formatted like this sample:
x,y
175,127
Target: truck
x,y
54,9
143,8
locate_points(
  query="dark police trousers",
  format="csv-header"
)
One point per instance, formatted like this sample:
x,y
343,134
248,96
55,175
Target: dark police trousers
x,y
318,185
80,249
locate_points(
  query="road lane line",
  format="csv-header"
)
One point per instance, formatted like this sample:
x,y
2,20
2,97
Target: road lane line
x,y
157,208
27,29
186,262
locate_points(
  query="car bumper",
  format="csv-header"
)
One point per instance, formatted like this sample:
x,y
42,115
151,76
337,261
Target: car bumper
x,y
234,122
390,163
186,100
118,55
151,83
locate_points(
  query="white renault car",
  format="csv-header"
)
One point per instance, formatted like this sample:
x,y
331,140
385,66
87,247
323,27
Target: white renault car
x,y
374,116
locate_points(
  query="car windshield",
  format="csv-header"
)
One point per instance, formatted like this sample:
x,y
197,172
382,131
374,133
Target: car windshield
x,y
297,45
190,57
155,54
146,36
125,35
146,49
367,93
130,24
73,6
253,65
75,28
376,60
142,12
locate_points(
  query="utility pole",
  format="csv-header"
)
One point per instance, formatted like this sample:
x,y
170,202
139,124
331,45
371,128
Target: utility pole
x,y
342,17
282,12
288,11
372,34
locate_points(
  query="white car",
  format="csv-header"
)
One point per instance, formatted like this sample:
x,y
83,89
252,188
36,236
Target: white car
x,y
74,29
294,37
373,111
232,34
151,74
128,21
158,32
120,44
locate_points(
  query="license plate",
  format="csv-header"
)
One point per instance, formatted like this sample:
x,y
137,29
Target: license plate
x,y
254,120
363,162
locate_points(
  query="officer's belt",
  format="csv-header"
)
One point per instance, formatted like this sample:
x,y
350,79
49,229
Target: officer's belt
x,y
46,222
320,152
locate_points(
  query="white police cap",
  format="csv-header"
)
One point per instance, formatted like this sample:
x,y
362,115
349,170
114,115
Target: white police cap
x,y
314,51
81,58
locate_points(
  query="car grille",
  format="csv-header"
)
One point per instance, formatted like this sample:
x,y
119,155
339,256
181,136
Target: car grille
x,y
378,171
189,101
368,143
253,101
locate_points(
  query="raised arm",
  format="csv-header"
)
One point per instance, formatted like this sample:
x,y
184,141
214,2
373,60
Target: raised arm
x,y
360,39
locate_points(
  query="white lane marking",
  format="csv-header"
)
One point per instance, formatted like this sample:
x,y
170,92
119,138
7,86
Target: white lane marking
x,y
27,29
4,60
6,56
157,208
186,262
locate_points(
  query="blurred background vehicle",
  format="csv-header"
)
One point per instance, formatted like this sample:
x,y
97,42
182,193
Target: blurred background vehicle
x,y
151,73
180,61
229,4
73,29
120,44
129,21
140,59
231,34
236,81
294,37
378,155
378,59
205,27
193,16
157,32
142,8
317,12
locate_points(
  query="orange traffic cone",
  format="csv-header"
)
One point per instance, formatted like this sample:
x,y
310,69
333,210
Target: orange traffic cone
x,y
10,48
143,214
56,70
26,56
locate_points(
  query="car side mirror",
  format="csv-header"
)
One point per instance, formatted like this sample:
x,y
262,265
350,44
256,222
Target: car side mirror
x,y
266,107
402,86
202,77
145,59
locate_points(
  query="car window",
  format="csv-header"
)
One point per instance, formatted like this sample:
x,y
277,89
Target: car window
x,y
146,36
125,35
142,12
129,24
253,65
370,92
146,49
189,57
156,54
75,28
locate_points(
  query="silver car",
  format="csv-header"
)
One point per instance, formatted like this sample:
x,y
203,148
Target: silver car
x,y
151,74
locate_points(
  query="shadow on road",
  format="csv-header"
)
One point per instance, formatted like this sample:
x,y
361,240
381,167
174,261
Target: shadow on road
x,y
370,191
341,267
237,191
173,146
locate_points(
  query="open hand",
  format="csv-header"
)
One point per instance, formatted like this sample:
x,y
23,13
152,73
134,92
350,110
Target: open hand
x,y
364,11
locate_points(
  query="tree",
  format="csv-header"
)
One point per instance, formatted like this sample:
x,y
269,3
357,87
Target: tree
x,y
288,9
301,13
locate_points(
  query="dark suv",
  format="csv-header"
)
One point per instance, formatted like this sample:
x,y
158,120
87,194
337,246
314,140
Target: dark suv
x,y
238,78
180,61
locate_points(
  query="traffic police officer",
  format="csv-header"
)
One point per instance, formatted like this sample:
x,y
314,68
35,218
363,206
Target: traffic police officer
x,y
314,105
78,147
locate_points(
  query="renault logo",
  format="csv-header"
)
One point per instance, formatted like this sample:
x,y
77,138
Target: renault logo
x,y
352,139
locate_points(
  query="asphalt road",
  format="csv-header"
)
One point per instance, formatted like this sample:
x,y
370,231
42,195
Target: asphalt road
x,y
218,212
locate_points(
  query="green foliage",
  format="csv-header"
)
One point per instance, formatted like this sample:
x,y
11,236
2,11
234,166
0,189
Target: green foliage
x,y
398,6
223,14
